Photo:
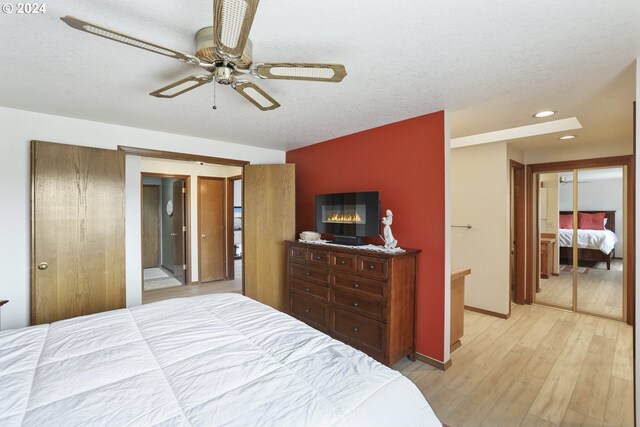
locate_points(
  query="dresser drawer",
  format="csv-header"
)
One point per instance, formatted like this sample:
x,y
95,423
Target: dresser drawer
x,y
359,285
311,274
365,334
343,262
310,311
358,304
372,267
319,257
297,254
309,289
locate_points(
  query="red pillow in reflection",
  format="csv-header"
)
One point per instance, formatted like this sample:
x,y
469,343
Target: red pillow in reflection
x,y
591,221
566,221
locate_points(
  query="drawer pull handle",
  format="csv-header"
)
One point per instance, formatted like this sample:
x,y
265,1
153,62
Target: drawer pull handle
x,y
307,289
306,310
342,262
318,257
372,266
355,304
306,273
356,329
356,285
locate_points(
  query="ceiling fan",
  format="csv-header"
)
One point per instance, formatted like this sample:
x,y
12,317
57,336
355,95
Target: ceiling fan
x,y
224,52
566,180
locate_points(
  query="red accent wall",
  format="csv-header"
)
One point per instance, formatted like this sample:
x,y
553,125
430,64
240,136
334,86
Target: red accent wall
x,y
405,162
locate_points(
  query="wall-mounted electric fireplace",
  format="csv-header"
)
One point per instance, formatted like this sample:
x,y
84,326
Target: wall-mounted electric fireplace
x,y
348,216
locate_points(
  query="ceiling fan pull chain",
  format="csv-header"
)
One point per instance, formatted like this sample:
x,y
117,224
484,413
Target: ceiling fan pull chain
x,y
214,95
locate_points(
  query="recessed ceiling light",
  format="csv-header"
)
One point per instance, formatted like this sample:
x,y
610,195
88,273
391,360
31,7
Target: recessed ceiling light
x,y
567,137
543,114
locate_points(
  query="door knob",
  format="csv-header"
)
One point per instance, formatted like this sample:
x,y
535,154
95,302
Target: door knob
x,y
43,266
204,236
174,234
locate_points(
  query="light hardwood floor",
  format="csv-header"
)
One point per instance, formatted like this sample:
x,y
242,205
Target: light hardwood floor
x,y
599,290
541,367
234,285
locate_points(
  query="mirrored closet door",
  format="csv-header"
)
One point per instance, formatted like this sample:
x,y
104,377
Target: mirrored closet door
x,y
555,282
580,245
600,245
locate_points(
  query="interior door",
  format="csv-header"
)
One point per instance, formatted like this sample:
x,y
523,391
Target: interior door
x,y
178,230
77,226
269,220
211,218
150,226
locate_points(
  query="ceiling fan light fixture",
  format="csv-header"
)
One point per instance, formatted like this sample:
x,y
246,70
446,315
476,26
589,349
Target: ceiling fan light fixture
x,y
543,114
224,74
567,137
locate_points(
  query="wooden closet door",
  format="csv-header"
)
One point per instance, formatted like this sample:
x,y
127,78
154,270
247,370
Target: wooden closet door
x,y
211,229
77,231
269,220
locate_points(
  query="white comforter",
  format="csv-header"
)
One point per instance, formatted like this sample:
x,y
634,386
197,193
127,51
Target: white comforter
x,y
213,360
604,240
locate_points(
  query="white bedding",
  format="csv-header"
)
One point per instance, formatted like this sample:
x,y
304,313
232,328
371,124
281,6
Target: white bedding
x,y
213,360
603,240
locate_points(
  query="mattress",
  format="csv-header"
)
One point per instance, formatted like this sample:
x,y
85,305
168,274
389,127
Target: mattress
x,y
603,240
221,360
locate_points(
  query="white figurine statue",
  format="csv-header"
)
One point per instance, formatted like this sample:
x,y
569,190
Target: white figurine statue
x,y
389,241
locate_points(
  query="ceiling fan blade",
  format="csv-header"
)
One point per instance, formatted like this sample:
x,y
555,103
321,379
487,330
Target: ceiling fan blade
x,y
255,95
181,86
107,33
232,20
313,72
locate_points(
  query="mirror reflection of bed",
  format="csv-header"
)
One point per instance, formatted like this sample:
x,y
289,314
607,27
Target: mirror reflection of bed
x,y
599,276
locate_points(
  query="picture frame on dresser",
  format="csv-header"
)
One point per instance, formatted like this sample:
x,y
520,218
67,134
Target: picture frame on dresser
x,y
361,297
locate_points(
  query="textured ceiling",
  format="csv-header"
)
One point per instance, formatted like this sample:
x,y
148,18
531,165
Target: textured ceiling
x,y
491,63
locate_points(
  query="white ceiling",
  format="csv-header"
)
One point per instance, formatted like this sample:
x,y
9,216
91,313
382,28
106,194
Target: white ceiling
x,y
493,63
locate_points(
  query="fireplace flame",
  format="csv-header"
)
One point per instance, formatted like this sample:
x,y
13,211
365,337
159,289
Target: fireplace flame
x,y
345,218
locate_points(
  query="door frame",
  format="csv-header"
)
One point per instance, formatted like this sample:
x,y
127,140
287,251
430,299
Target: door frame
x,y
519,205
224,232
187,217
231,272
630,188
188,157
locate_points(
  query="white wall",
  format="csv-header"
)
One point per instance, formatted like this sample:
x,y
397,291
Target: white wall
x,y
19,128
480,197
194,170
605,194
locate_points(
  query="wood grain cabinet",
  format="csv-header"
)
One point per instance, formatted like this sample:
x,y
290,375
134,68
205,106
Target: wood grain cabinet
x,y
363,298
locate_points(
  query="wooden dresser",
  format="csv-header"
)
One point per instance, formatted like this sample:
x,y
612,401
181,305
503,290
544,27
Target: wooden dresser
x,y
363,298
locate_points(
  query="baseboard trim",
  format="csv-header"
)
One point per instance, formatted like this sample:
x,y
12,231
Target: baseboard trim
x,y
443,366
555,274
487,312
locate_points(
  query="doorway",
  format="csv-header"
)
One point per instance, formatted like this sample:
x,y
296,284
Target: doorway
x,y
165,224
582,220
212,256
517,232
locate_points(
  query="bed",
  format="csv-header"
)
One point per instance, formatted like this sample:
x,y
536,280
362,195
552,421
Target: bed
x,y
593,245
220,359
